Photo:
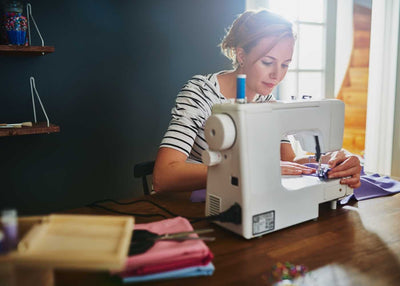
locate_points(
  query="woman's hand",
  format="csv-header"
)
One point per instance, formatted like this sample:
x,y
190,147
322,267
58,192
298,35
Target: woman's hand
x,y
345,166
291,168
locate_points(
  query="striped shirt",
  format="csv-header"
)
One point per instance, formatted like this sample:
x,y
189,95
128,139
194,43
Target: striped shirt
x,y
192,108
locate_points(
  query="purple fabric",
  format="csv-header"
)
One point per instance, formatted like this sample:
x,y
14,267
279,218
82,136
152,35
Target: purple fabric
x,y
323,175
198,196
312,165
373,186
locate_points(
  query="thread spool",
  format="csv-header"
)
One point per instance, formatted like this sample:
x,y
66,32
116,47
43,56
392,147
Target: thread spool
x,y
241,88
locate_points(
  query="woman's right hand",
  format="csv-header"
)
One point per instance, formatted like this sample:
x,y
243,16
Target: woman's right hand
x,y
291,168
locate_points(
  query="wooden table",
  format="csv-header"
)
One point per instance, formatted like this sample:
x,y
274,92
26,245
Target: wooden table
x,y
358,243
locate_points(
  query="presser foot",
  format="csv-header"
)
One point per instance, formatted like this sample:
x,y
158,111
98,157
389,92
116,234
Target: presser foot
x,y
322,173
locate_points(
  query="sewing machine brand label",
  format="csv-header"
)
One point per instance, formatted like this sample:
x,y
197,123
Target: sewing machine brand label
x,y
263,222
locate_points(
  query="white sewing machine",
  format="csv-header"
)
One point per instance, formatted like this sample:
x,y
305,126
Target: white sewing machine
x,y
244,162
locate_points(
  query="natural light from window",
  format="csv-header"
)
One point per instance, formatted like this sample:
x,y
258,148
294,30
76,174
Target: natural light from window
x,y
306,75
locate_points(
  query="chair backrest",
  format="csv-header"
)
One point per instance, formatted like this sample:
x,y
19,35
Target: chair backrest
x,y
144,170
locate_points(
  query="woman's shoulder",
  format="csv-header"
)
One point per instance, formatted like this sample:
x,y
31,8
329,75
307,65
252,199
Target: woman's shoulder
x,y
204,85
204,80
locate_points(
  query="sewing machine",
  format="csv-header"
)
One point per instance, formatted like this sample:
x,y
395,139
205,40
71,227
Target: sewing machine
x,y
244,162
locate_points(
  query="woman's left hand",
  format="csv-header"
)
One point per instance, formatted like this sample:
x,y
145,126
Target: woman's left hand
x,y
345,166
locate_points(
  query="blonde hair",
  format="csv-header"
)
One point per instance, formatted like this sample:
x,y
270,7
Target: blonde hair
x,y
250,27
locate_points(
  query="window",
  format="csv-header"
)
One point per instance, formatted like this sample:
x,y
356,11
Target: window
x,y
312,71
307,74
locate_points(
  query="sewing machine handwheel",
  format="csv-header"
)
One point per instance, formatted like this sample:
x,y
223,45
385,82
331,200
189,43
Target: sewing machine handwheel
x,y
220,132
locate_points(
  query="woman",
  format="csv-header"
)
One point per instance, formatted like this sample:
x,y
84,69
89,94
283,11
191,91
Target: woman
x,y
260,45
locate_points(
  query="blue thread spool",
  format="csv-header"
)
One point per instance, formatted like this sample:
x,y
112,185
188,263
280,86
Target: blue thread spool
x,y
241,88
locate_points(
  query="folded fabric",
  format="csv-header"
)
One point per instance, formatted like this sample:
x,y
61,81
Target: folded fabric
x,y
166,266
168,255
198,196
206,270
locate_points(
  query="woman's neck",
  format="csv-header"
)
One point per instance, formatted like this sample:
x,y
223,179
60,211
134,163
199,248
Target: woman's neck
x,y
227,85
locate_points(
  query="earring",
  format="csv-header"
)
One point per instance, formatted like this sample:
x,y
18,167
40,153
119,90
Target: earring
x,y
241,64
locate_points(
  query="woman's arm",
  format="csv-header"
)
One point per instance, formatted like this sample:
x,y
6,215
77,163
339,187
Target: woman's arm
x,y
172,172
288,164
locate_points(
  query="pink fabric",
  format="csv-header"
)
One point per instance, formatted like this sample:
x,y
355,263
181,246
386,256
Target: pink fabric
x,y
168,255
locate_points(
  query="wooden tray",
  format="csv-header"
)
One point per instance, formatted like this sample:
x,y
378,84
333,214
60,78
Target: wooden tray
x,y
74,242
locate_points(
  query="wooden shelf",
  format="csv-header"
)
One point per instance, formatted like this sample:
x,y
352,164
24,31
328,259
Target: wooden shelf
x,y
37,128
25,50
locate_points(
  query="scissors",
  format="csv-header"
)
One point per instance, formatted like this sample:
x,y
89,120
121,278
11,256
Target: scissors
x,y
142,240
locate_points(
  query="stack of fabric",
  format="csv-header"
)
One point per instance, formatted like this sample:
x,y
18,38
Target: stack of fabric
x,y
169,259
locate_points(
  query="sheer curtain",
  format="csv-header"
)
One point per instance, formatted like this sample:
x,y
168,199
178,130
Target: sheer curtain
x,y
382,86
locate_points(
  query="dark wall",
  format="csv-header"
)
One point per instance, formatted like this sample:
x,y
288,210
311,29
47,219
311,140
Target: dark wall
x,y
110,85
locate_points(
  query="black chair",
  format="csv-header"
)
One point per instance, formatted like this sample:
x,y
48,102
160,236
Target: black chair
x,y
143,170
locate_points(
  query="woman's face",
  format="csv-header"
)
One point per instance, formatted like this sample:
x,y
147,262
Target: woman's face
x,y
265,72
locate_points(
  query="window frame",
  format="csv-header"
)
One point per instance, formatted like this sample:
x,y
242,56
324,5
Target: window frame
x,y
329,46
